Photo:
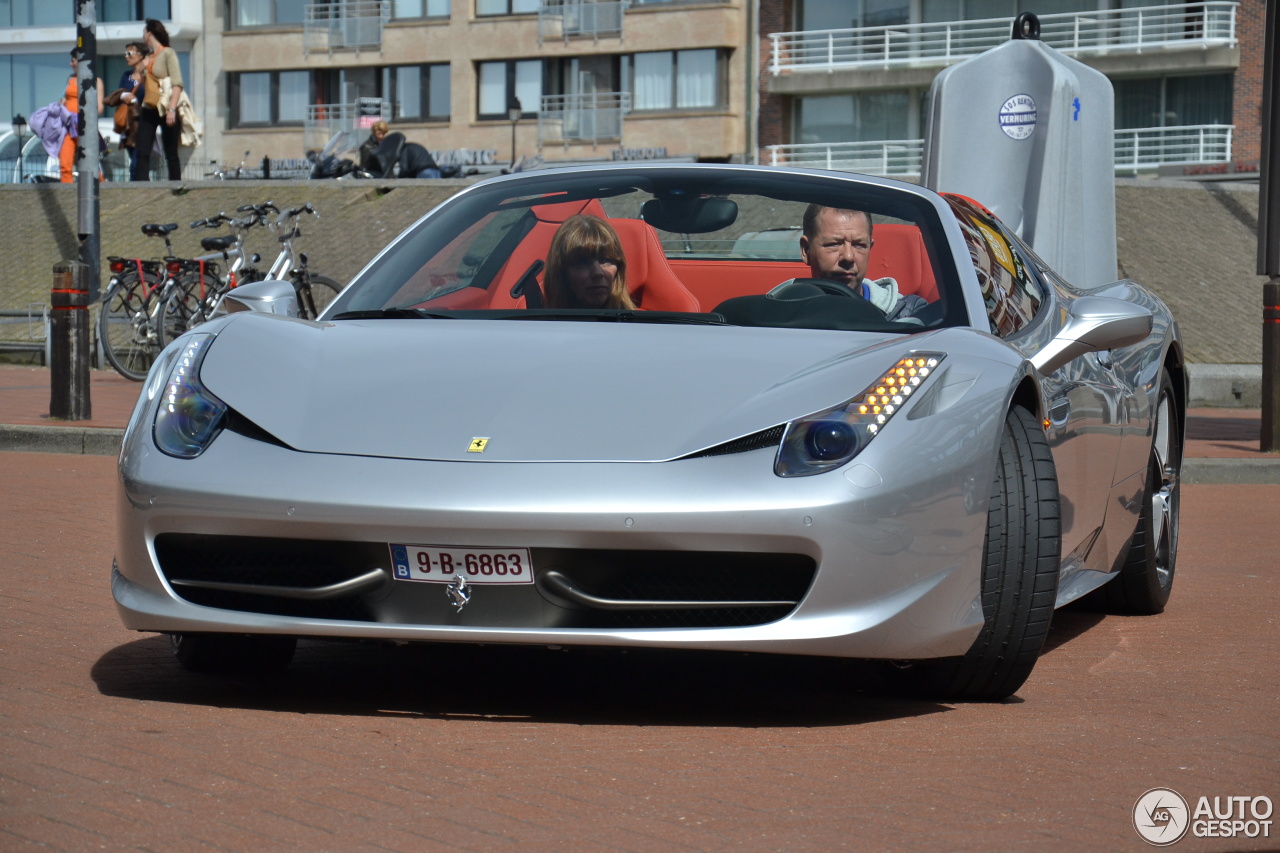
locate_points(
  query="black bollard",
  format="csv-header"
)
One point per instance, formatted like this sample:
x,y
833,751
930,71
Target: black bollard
x,y
266,168
69,343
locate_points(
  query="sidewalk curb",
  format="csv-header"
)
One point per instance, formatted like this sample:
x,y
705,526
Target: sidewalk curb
x,y
58,439
106,442
1231,471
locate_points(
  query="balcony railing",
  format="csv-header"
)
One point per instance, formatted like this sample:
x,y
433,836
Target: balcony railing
x,y
1193,25
1136,149
566,19
892,157
594,117
344,25
1150,147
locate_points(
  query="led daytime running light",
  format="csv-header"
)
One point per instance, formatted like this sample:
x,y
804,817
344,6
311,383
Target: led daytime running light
x,y
189,416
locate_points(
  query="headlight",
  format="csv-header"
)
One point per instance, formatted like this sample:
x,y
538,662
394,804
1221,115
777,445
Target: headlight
x,y
189,416
829,439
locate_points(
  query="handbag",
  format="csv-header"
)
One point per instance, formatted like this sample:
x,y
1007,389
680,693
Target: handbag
x,y
120,121
151,94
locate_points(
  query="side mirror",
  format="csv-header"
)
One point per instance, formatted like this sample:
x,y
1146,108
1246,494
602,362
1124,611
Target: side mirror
x,y
1095,323
270,296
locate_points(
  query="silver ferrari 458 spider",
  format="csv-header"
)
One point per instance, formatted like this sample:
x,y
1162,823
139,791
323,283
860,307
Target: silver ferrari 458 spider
x,y
669,406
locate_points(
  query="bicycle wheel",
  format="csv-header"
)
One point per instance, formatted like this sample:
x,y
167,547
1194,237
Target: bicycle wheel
x,y
314,299
188,304
124,328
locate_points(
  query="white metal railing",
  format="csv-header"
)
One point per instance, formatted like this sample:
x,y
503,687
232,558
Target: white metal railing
x,y
565,19
1135,149
1193,25
591,117
344,25
1148,147
324,120
888,157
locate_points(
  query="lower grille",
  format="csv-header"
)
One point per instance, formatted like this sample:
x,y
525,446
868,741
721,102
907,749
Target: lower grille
x,y
575,588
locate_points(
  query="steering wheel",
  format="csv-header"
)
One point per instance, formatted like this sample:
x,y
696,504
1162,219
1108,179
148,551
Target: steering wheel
x,y
807,288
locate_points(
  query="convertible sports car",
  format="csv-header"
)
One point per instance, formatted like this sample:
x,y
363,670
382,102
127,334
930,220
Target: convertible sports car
x,y
750,459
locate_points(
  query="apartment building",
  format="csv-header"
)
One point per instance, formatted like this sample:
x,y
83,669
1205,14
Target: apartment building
x,y
487,79
844,83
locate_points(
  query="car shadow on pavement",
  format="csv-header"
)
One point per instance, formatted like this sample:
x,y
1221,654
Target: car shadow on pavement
x,y
1070,622
501,683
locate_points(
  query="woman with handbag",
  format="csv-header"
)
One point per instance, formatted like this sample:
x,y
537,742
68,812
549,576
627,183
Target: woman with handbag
x,y
127,100
160,107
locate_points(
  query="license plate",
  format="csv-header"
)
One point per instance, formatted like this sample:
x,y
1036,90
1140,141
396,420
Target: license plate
x,y
443,564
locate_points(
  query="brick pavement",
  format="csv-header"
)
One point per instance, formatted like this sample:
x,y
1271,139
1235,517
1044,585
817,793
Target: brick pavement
x,y
106,744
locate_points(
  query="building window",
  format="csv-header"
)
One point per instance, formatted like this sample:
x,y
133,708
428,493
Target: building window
x,y
1174,101
500,81
266,13
489,8
679,79
261,98
863,117
419,9
417,92
29,81
115,11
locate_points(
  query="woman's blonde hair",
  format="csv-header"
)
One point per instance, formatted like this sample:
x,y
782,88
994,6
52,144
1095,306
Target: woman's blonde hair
x,y
379,125
584,237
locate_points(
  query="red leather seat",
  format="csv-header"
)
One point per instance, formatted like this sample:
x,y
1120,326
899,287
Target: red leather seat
x,y
899,253
650,279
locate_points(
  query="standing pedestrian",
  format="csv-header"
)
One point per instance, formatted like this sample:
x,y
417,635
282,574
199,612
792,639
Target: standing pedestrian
x,y
71,100
159,113
129,96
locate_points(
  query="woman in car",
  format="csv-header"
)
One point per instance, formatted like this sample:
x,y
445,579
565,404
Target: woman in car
x,y
586,267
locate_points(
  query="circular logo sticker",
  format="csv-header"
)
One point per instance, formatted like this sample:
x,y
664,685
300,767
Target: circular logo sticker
x,y
1161,817
1018,117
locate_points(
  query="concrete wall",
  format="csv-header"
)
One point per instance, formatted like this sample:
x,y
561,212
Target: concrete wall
x,y
1195,244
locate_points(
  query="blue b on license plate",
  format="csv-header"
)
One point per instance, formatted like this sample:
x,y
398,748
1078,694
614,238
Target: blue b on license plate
x,y
444,563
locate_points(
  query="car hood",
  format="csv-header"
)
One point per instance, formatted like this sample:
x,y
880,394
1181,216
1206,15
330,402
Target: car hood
x,y
537,391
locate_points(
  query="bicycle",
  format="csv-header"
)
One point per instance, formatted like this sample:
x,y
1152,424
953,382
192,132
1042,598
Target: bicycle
x,y
199,298
199,287
221,174
314,291
127,329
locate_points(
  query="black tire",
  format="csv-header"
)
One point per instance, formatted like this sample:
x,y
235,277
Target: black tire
x,y
188,304
1019,577
1145,581
323,291
252,654
124,328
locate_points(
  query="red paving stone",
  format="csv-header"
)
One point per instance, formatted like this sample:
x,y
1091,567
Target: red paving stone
x,y
106,744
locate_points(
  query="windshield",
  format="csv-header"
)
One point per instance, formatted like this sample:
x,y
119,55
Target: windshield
x,y
719,246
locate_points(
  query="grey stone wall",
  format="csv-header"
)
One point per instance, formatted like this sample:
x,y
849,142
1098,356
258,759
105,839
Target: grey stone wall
x,y
1195,244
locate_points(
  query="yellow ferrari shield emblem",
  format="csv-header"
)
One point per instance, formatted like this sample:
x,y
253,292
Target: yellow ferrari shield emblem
x,y
477,445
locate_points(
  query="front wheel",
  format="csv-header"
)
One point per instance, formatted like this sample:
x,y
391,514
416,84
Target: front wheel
x,y
1019,577
125,330
315,292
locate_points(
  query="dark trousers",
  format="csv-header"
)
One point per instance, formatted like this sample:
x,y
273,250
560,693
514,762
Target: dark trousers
x,y
149,122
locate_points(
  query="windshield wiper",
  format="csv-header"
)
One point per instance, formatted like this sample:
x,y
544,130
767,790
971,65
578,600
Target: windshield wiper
x,y
393,314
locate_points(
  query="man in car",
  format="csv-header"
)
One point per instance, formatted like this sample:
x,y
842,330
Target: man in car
x,y
836,244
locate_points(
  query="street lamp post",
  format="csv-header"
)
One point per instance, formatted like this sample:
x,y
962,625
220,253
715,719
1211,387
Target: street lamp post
x,y
19,122
513,113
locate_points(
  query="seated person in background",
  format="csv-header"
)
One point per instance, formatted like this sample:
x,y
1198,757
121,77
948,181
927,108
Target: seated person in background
x,y
836,244
416,162
377,132
586,267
